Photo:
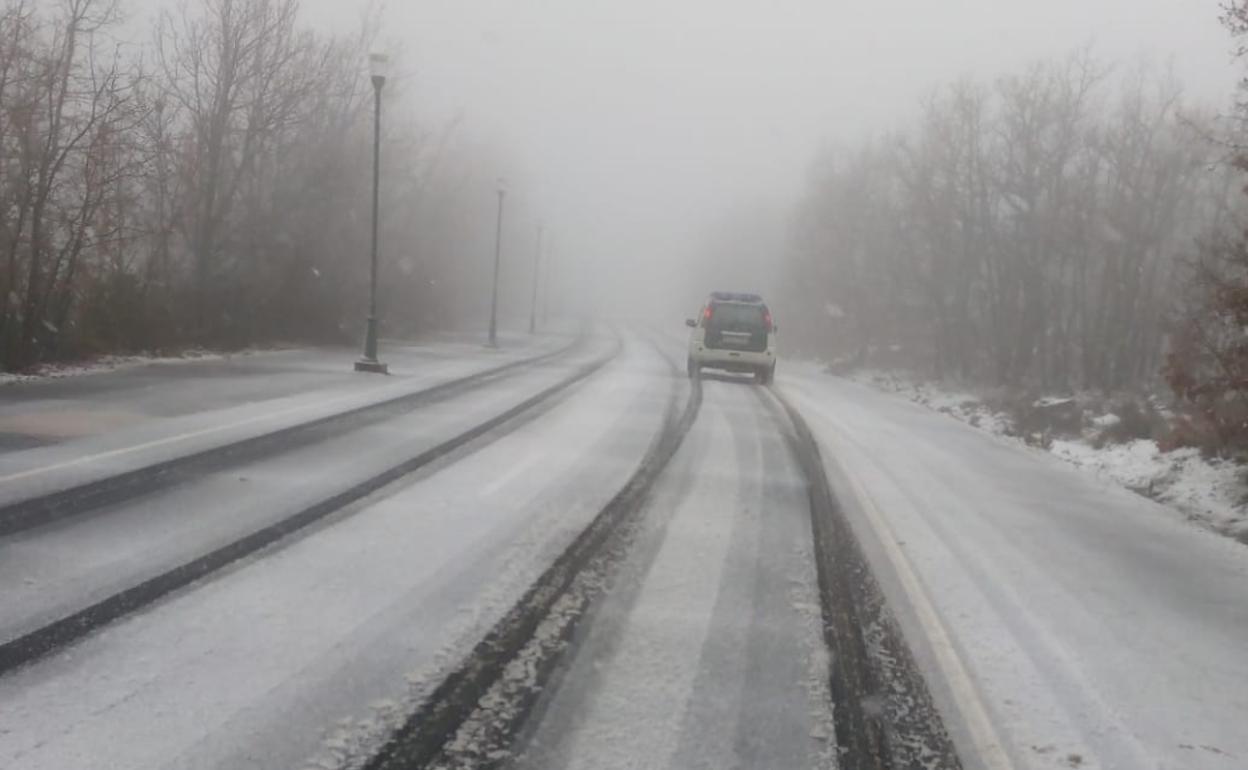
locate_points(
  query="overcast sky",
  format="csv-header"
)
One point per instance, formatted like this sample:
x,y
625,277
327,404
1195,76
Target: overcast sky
x,y
637,125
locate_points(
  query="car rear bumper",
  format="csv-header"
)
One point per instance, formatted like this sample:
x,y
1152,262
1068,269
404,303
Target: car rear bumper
x,y
732,360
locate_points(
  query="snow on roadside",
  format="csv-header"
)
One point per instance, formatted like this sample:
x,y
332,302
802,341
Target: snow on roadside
x,y
1208,492
110,363
1205,491
963,405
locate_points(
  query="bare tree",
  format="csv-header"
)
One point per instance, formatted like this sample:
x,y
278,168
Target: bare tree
x,y
221,198
1024,234
66,106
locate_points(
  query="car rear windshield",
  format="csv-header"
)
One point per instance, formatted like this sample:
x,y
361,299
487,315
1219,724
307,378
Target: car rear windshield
x,y
737,316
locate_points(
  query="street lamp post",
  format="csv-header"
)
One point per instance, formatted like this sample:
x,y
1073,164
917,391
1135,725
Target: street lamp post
x,y
537,269
550,268
377,64
498,250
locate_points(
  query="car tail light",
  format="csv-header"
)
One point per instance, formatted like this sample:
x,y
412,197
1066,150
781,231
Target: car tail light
x,y
767,320
706,313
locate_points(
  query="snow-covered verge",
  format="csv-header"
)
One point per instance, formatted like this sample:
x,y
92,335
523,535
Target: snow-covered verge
x,y
1210,492
110,363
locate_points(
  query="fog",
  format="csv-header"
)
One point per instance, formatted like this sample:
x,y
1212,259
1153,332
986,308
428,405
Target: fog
x,y
666,149
638,128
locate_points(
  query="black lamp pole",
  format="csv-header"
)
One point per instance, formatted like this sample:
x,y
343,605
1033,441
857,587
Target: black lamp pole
x,y
498,250
550,267
537,270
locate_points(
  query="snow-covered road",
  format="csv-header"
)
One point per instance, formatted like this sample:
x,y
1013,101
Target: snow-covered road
x,y
74,431
55,570
1062,621
257,667
707,653
1058,621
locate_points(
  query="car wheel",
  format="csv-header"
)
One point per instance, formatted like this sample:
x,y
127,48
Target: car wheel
x,y
766,375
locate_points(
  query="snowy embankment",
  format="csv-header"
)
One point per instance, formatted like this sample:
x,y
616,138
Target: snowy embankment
x,y
109,363
1209,492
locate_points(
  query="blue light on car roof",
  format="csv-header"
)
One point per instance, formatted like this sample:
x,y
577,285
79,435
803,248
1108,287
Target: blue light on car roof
x,y
735,296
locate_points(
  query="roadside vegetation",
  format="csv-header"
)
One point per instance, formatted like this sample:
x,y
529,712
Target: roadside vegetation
x,y
1074,228
211,186
1029,232
1066,249
1114,438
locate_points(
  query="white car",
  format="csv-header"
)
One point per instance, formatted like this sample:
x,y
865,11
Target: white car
x,y
733,332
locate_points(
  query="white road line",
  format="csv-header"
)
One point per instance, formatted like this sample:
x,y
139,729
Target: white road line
x,y
988,746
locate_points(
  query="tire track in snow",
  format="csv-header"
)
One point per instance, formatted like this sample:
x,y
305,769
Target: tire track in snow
x,y
707,651
885,717
59,633
634,711
472,717
745,713
79,498
1075,717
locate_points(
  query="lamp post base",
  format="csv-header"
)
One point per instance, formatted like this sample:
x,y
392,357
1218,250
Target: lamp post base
x,y
371,365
